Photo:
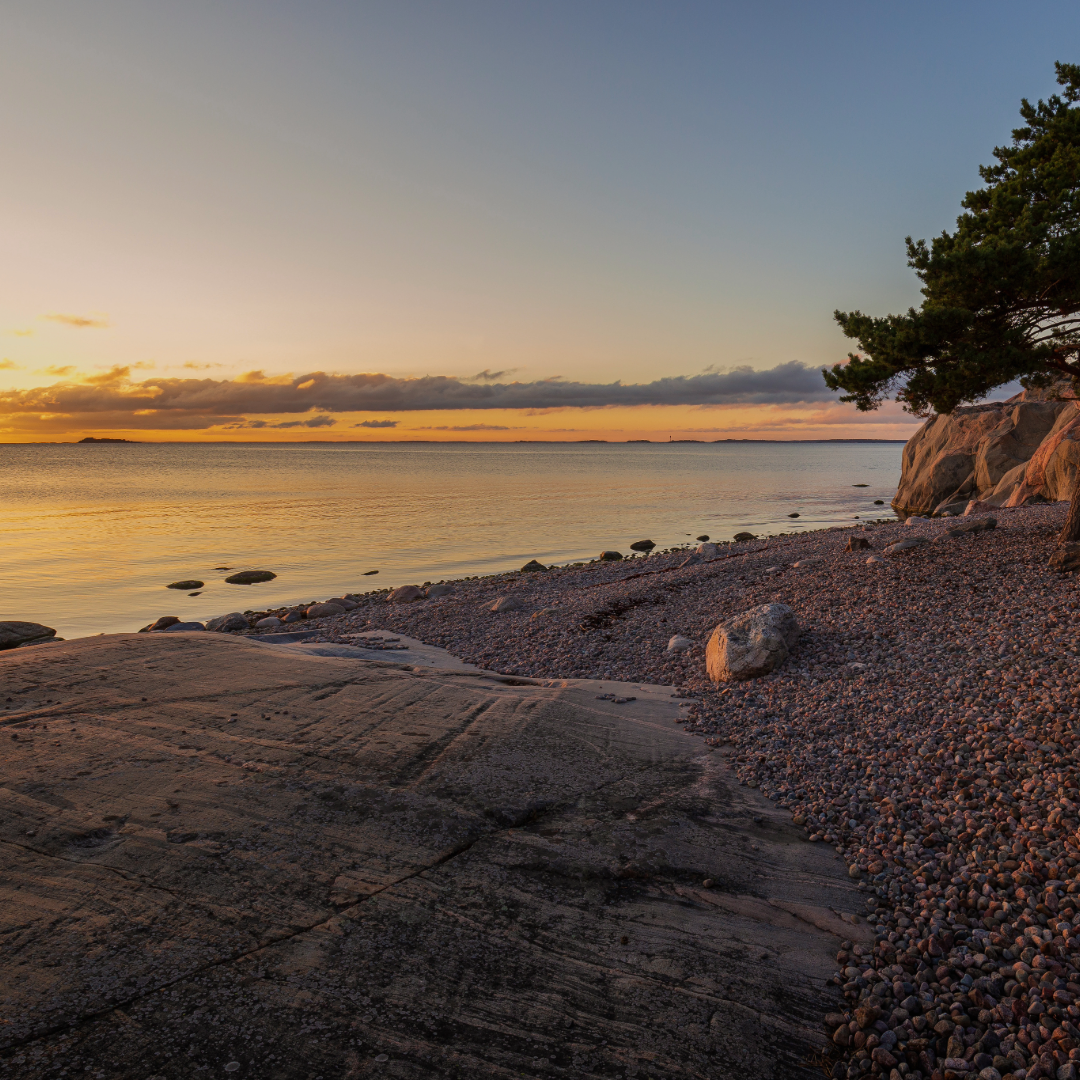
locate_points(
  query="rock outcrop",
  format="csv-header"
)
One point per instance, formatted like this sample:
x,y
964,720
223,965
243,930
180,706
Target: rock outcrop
x,y
1003,454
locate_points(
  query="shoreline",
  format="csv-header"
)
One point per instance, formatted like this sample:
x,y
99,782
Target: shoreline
x,y
912,766
923,726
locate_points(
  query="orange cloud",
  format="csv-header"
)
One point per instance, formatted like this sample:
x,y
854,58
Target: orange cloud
x,y
9,365
79,322
114,375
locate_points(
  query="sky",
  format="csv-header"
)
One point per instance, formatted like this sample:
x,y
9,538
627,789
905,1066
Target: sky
x,y
486,219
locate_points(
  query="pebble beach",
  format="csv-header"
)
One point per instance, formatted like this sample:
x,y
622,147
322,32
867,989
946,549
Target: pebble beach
x,y
924,726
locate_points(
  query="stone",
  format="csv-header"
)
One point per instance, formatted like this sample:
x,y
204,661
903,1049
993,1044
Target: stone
x,y
324,611
703,539
185,586
182,628
160,624
642,545
270,620
906,545
344,602
223,624
14,634
435,591
1066,559
532,566
368,573
857,543
976,525
610,556
679,644
740,537
808,563
250,577
543,613
882,1057
707,551
292,617
990,1073
506,603
916,519
751,644
793,515
405,594
867,1015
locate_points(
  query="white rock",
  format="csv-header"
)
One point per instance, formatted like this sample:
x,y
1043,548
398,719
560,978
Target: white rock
x,y
874,560
506,603
679,644
751,644
916,519
707,551
807,563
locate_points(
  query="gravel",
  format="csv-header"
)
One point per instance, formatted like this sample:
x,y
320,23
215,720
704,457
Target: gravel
x,y
924,725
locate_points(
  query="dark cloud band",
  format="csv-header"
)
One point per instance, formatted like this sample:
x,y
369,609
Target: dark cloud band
x,y
327,393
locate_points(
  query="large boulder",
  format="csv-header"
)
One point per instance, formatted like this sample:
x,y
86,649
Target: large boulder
x,y
14,634
1001,454
751,644
225,623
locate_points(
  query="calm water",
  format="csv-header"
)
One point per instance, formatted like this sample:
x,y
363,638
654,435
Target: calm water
x,y
93,533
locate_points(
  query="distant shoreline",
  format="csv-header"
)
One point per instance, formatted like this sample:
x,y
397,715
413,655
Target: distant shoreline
x,y
449,442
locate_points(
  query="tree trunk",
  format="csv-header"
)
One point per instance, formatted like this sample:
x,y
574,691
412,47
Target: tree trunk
x,y
1071,532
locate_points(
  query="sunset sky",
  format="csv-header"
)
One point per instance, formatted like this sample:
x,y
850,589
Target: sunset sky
x,y
478,220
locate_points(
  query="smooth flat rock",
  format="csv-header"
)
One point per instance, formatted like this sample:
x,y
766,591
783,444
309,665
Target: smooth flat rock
x,y
214,851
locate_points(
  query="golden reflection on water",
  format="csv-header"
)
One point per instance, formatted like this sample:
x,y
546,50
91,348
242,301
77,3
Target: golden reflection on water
x,y
93,533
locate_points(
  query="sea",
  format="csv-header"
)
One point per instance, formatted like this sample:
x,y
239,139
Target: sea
x,y
93,533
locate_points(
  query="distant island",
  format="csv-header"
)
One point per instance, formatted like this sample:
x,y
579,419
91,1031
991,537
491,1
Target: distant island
x,y
90,438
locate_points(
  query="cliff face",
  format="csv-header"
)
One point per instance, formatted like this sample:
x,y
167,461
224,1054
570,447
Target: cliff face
x,y
1005,453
